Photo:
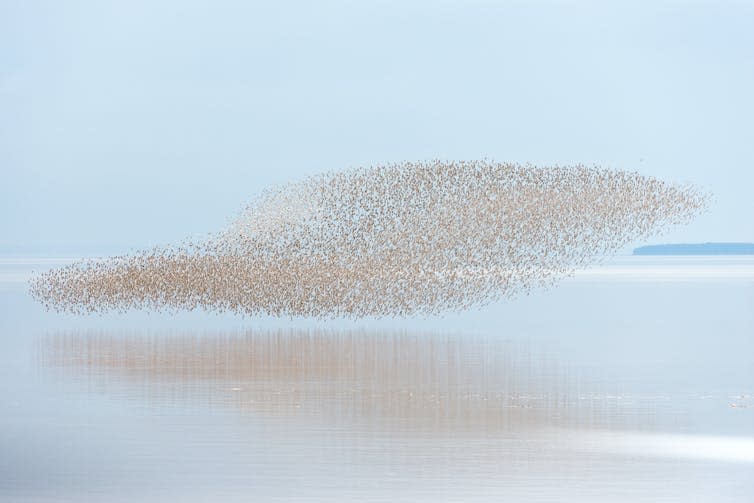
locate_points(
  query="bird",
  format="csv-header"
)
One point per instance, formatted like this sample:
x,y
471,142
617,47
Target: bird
x,y
401,239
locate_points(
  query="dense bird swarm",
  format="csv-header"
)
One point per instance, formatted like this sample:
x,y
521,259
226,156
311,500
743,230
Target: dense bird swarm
x,y
411,238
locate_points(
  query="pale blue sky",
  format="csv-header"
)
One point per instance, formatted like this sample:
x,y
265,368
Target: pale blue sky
x,y
129,124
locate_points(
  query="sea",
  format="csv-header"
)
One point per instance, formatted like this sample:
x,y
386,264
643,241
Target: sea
x,y
630,381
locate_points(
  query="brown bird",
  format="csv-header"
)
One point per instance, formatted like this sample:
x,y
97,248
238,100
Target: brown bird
x,y
395,240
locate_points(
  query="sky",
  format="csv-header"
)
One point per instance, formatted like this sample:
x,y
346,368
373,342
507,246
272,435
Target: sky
x,y
130,124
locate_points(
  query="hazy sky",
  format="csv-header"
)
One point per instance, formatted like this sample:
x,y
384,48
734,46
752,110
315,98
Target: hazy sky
x,y
134,123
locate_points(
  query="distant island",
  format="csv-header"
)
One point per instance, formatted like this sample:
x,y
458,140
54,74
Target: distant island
x,y
697,249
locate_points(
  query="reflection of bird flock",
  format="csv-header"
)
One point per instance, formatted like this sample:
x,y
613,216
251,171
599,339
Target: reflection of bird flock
x,y
387,241
434,382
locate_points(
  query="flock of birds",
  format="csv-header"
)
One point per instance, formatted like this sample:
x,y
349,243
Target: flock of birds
x,y
395,240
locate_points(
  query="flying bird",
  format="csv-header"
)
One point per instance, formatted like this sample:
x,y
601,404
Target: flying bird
x,y
394,240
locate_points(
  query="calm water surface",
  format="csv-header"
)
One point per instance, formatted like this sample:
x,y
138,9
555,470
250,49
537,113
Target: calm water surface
x,y
632,381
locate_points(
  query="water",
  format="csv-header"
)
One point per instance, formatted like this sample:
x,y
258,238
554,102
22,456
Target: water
x,y
629,382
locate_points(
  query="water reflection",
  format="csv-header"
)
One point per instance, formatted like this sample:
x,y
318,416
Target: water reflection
x,y
421,382
358,415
